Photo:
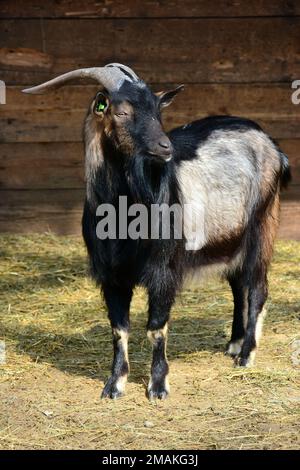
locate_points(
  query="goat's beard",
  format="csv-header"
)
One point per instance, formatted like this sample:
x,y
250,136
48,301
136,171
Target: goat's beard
x,y
148,182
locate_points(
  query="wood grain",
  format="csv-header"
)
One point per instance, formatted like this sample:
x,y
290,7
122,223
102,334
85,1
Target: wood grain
x,y
42,165
60,211
60,165
25,211
236,58
146,8
189,50
59,116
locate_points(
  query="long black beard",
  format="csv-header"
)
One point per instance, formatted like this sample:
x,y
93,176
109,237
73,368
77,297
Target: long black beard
x,y
149,182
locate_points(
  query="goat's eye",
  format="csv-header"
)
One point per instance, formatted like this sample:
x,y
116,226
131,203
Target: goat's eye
x,y
101,104
121,114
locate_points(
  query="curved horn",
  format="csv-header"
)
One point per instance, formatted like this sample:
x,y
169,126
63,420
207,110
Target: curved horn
x,y
126,69
111,78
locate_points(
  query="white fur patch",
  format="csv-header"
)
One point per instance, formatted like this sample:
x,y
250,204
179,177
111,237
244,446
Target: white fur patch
x,y
123,339
153,335
251,359
259,325
223,183
200,275
235,347
121,383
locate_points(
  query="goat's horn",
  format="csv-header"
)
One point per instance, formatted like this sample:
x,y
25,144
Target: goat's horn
x,y
110,77
127,70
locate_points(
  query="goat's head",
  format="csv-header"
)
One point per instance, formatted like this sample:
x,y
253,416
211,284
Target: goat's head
x,y
125,109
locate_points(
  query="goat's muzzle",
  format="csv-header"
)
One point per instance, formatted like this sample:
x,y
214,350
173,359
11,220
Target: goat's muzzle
x,y
162,150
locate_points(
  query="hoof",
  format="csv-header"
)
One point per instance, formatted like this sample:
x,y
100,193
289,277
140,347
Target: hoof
x,y
245,361
112,389
234,348
158,391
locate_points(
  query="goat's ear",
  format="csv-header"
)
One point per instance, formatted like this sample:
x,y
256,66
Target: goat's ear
x,y
166,97
101,104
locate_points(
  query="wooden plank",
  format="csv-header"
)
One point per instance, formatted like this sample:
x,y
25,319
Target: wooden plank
x,y
289,228
41,165
147,8
61,164
292,149
169,50
59,116
60,212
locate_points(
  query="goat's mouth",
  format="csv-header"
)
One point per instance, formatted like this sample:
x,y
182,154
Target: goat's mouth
x,y
161,157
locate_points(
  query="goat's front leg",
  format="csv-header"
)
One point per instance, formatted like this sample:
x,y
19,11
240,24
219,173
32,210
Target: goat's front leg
x,y
157,329
118,303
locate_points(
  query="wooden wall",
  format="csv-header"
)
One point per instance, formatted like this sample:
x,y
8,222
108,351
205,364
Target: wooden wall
x,y
236,57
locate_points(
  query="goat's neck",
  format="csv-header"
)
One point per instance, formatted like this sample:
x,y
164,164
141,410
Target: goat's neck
x,y
110,174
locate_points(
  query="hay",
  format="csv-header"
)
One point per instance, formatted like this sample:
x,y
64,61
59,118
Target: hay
x,y
58,346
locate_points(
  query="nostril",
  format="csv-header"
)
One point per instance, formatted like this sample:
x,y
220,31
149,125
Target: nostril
x,y
164,144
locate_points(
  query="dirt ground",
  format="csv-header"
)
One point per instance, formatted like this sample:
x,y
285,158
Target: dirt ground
x,y
58,353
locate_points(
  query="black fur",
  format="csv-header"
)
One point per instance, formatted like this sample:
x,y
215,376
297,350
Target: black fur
x,y
159,265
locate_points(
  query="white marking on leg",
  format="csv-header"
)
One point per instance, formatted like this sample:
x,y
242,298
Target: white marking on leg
x,y
121,383
122,337
259,325
154,335
234,348
251,359
167,384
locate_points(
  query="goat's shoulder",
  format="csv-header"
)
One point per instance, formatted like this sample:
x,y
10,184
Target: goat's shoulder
x,y
188,138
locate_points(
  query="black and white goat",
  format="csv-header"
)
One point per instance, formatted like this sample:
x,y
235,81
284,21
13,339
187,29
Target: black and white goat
x,y
226,167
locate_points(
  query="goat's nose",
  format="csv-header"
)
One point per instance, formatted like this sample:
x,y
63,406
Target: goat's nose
x,y
165,143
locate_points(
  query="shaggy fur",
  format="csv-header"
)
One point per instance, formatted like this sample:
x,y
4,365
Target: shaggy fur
x,y
226,168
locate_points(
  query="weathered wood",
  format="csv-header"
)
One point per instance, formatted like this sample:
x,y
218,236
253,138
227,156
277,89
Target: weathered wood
x,y
41,159
292,149
59,116
290,221
41,165
146,8
60,211
61,164
169,50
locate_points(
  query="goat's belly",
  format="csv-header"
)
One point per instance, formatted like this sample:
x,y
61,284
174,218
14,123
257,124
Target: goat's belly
x,y
202,273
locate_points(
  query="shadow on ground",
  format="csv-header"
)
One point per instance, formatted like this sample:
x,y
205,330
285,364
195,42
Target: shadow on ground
x,y
90,353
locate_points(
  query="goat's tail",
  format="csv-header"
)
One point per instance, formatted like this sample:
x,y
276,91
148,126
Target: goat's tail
x,y
286,175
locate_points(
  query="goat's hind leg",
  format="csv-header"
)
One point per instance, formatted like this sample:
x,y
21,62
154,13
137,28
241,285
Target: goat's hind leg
x,y
118,303
256,265
258,292
240,314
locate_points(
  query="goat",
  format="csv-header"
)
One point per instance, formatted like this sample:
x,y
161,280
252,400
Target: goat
x,y
226,167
